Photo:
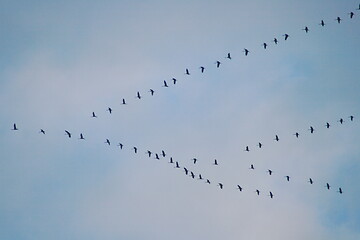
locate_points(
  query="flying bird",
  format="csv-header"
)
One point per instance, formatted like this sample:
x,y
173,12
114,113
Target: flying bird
x,y
260,145
221,185
187,72
200,177
296,134
151,92
165,84
264,45
351,118
163,153
306,29
247,149
288,178
218,64
109,110
271,195
286,36
171,160
138,95
327,125
208,181
322,23
192,174
149,153
66,132
340,190
135,149
157,156
275,41
252,167
351,14
257,192
215,162
108,141
81,137
270,172
358,7
338,19
42,131
123,101
228,56
194,160
14,127
94,115
177,165
311,129
202,69
186,171
341,121
240,188
120,145
174,80
311,181
276,138
246,51
328,186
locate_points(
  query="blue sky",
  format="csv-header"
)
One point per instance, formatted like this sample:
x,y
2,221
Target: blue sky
x,y
61,61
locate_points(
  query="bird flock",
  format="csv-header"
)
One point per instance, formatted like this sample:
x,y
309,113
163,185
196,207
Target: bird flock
x,y
187,171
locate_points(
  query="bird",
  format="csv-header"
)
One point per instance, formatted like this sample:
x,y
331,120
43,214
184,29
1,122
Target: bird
x,y
327,125
270,172
271,195
311,129
358,7
174,80
200,177
171,160
163,153
221,185
42,131
109,110
157,156
66,132
135,149
338,19
239,187
82,136
351,14
108,141
228,56
165,84
94,115
257,192
264,45
288,178
286,36
322,23
151,92
138,95
186,171
276,138
341,121
149,153
187,72
328,186
296,134
275,41
215,162
202,69
260,145
247,149
351,118
177,165
120,145
194,160
14,127
192,174
208,181
123,101
246,51
306,29
218,64
252,167
340,190
311,181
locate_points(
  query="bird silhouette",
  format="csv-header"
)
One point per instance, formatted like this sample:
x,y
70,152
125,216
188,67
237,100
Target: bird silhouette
x,y
327,186
107,142
327,125
14,127
240,188
177,165
202,69
311,129
269,171
66,132
221,185
247,149
228,56
257,192
252,167
120,145
194,160
264,45
276,138
200,177
149,153
151,92
287,178
286,36
171,160
135,149
351,14
94,115
271,195
165,84
296,134
208,181
186,171
42,131
322,23
123,101
338,19
246,51
192,175
187,72
157,156
275,41
138,95
306,29
340,190
351,118
341,121
109,110
174,80
358,7
260,145
311,181
82,136
217,64
215,162
163,153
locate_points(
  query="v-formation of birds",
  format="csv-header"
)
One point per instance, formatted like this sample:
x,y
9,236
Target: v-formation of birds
x,y
247,148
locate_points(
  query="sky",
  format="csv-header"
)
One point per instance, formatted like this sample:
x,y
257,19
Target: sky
x,y
62,60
